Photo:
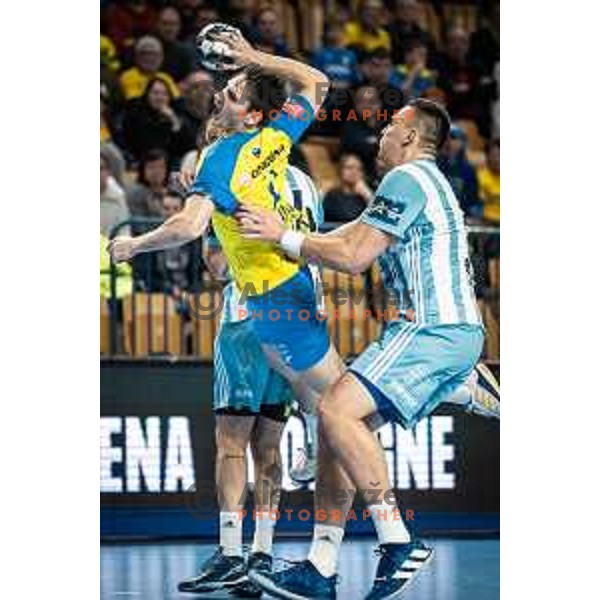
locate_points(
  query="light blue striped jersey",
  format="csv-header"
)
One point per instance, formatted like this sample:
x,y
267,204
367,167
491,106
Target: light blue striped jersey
x,y
300,192
428,267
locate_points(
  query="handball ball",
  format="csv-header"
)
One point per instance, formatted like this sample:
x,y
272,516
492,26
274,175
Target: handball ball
x,y
211,53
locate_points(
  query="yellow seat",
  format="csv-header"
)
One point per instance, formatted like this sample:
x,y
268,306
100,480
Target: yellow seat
x,y
152,325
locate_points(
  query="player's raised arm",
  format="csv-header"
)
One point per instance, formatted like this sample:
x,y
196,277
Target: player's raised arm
x,y
183,227
310,82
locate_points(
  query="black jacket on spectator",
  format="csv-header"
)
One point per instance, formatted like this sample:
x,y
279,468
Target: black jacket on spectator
x,y
363,140
341,207
146,129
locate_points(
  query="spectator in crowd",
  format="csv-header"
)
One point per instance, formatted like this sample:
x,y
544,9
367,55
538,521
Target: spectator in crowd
x,y
115,159
204,14
336,61
415,79
145,196
460,172
346,202
484,48
187,11
148,59
489,183
243,15
459,77
495,105
366,33
126,20
124,284
152,122
113,206
177,269
405,29
267,35
110,88
378,71
179,58
361,137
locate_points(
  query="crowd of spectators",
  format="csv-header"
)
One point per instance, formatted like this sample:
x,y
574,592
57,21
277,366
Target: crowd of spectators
x,y
377,54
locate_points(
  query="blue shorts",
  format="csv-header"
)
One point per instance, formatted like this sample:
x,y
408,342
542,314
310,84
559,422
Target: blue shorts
x,y
413,368
290,319
244,383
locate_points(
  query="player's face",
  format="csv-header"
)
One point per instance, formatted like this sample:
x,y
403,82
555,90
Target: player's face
x,y
231,107
395,140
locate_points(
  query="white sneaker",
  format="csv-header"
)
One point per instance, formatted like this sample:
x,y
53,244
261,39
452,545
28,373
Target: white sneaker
x,y
305,469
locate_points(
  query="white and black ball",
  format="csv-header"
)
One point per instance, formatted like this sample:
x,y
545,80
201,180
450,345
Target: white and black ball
x,y
212,53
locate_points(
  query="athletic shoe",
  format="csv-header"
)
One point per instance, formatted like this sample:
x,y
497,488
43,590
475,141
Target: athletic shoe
x,y
398,565
485,393
260,563
305,469
216,573
302,581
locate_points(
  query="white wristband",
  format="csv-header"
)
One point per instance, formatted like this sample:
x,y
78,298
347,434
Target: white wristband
x,y
291,242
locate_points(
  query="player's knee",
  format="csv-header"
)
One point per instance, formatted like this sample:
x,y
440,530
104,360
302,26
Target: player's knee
x,y
266,454
230,442
326,409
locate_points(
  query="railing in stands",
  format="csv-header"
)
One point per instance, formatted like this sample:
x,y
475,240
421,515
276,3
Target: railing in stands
x,y
168,304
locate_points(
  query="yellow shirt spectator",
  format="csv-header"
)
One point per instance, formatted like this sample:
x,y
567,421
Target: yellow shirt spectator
x,y
489,192
489,183
355,35
124,280
134,82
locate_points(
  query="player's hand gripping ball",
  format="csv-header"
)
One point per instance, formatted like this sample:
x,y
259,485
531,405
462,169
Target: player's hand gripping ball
x,y
212,52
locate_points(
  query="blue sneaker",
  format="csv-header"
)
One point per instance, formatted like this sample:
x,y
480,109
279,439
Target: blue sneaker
x,y
261,563
398,565
216,573
302,581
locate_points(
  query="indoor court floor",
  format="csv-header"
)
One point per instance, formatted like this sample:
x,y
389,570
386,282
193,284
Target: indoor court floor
x,y
462,569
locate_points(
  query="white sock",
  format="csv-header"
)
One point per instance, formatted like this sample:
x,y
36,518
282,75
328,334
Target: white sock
x,y
325,549
389,524
312,434
230,533
264,529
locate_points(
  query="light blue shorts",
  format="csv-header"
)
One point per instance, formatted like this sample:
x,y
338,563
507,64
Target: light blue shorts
x,y
412,368
290,319
244,383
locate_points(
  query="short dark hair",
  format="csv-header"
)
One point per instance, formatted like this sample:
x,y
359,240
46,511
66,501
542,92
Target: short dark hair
x,y
151,156
435,119
494,143
265,92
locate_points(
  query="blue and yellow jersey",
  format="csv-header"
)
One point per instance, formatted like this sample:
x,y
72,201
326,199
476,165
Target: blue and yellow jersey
x,y
250,168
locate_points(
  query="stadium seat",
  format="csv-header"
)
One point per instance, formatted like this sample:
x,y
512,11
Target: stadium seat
x,y
319,155
104,326
152,325
204,322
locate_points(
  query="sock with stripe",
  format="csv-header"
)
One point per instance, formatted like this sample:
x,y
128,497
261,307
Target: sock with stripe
x,y
230,533
325,548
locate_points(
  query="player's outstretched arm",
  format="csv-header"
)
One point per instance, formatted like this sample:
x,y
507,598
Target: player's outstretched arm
x,y
311,82
352,248
183,227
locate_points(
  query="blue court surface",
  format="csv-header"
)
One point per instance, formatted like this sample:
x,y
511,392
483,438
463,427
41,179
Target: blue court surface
x,y
462,569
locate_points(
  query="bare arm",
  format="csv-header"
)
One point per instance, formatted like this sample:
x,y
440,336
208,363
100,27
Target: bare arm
x,y
311,82
351,248
187,225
